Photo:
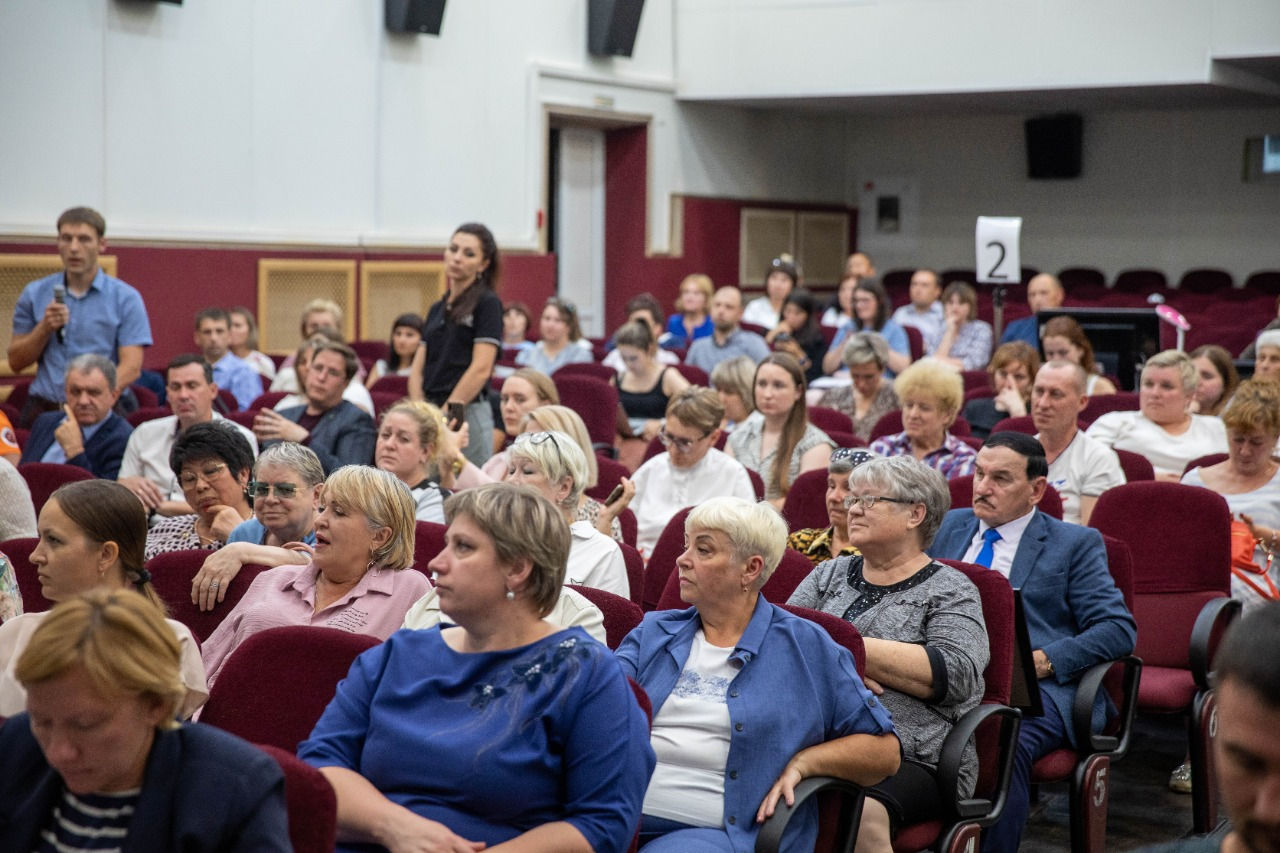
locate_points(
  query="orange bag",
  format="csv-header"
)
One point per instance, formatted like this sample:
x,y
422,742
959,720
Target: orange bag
x,y
1243,566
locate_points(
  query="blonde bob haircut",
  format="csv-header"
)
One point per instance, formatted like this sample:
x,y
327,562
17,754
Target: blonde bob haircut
x,y
703,283
563,419
697,408
755,529
1255,407
523,525
737,376
384,501
120,638
933,380
1179,361
557,456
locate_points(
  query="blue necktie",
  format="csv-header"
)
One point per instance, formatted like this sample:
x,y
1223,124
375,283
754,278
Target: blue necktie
x,y
988,550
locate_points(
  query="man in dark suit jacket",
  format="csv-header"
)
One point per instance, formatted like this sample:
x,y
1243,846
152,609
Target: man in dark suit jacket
x,y
1075,614
338,432
85,433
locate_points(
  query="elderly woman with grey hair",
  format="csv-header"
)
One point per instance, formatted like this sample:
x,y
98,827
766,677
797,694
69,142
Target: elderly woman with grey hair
x,y
728,749
922,624
870,396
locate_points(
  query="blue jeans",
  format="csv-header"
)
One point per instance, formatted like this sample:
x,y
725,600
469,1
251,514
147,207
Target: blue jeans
x,y
659,835
1039,737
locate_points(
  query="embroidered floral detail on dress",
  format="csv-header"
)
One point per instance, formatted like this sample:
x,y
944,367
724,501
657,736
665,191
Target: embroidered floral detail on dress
x,y
484,694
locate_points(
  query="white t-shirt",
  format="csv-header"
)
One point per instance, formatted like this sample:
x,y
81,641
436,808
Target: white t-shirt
x,y
662,490
759,312
691,739
1086,468
1168,454
595,560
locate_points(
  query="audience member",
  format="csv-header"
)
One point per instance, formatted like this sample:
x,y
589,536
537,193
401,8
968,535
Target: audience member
x,y
647,309
1251,351
78,311
728,339
319,317
243,343
869,397
1011,371
406,335
360,578
501,700
1217,378
820,544
516,322
461,337
355,393
560,340
10,451
552,464
85,432
407,437
213,463
1267,360
92,535
781,444
734,382
1080,468
963,341
99,760
931,393
213,332
1249,480
922,626
798,334
145,468
871,307
10,595
645,386
780,280
924,311
691,320
1075,614
729,658
563,419
17,512
338,432
286,487
839,310
1164,430
1064,339
522,391
1044,292
691,470
859,264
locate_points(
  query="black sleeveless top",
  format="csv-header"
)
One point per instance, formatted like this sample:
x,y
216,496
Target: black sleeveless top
x,y
650,405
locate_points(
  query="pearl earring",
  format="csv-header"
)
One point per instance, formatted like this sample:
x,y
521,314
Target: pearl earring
x,y
511,596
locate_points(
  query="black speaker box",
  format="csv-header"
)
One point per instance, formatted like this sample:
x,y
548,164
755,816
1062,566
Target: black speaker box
x,y
1053,146
612,26
415,16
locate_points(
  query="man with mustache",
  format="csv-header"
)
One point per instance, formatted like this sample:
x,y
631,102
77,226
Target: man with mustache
x,y
85,432
1075,614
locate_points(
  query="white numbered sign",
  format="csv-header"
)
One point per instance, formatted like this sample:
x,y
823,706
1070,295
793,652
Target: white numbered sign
x,y
997,249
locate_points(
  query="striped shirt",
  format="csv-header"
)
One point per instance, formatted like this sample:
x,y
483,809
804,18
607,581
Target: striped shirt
x,y
98,822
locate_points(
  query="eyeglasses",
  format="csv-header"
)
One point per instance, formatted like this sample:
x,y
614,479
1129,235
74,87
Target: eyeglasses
x,y
868,501
536,438
284,491
189,479
855,456
684,445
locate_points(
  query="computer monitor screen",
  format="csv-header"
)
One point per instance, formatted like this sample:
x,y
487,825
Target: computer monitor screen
x,y
1122,338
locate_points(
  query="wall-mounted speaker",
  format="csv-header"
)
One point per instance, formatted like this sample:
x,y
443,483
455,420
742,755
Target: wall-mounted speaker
x,y
612,26
1053,146
415,16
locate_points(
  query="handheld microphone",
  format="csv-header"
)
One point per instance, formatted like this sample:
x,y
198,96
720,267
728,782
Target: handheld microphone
x,y
60,297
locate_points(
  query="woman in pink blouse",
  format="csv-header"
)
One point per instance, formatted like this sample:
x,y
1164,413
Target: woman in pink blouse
x,y
356,580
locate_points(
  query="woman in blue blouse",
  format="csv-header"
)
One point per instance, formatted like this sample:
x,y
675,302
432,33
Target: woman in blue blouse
x,y
748,699
871,313
498,727
692,319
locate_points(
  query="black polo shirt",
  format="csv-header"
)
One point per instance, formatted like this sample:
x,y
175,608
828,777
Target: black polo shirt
x,y
449,345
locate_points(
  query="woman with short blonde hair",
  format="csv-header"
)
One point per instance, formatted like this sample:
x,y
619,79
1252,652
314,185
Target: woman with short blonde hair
x,y
931,393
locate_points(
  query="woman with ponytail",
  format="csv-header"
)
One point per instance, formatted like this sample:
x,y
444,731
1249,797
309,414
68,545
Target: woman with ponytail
x,y
92,535
645,385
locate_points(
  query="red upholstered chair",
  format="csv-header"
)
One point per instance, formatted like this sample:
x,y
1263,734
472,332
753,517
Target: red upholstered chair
x,y
915,342
695,375
147,398
148,413
1087,768
1077,279
1100,404
971,394
244,418
662,562
276,684
1020,424
171,575
827,419
383,400
312,804
1135,466
596,402
635,571
371,350
1262,281
19,553
793,568
267,400
1204,280
1141,281
757,483
621,615
1205,461
44,478
226,402
630,527
1181,548
975,379
428,541
611,473
806,503
391,384
593,369
845,439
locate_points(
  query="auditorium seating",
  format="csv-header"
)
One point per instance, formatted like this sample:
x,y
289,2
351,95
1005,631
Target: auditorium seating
x,y
172,574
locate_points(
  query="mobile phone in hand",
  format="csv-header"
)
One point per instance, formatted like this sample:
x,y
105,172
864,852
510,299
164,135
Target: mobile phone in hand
x,y
614,495
457,415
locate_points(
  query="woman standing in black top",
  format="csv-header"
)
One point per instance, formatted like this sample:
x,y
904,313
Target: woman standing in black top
x,y
461,337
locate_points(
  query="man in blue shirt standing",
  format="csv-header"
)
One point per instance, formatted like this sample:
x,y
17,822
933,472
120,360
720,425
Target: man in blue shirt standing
x,y
79,310
213,332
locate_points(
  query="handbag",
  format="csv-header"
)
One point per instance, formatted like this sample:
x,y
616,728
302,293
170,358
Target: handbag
x,y
1243,566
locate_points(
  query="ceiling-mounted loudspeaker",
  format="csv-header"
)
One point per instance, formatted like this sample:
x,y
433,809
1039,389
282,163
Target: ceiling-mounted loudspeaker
x,y
1054,146
415,16
612,26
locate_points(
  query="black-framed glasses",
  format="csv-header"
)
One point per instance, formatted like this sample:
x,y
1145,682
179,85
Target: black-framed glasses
x,y
536,438
855,456
868,501
684,445
284,491
189,479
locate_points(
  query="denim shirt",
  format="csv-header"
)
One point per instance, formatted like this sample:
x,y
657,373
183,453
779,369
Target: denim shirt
x,y
795,688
